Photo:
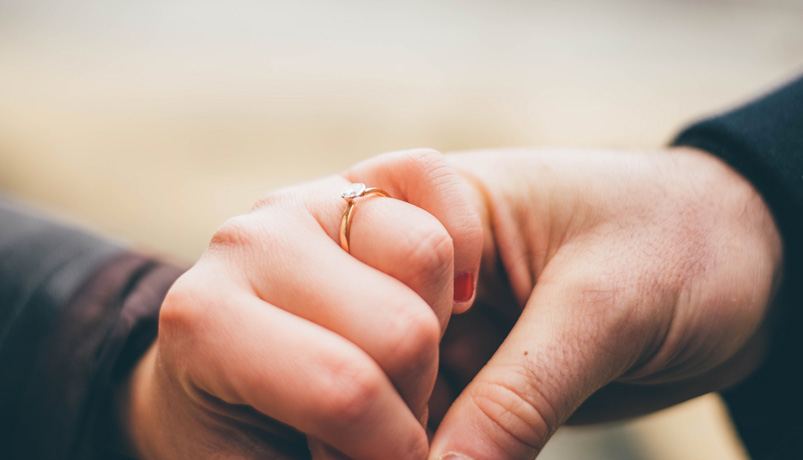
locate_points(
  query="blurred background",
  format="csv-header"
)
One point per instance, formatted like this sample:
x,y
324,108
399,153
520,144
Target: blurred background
x,y
155,120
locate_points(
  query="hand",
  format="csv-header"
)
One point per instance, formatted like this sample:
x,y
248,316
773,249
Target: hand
x,y
277,333
638,280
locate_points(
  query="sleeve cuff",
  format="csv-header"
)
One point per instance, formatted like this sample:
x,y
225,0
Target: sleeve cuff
x,y
99,336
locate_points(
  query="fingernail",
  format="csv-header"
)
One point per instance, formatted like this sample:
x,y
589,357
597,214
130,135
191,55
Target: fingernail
x,y
454,456
464,286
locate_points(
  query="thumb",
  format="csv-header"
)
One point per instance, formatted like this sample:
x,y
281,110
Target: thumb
x,y
571,339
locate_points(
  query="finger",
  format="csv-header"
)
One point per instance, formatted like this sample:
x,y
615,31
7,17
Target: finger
x,y
313,278
424,178
468,344
390,235
572,338
411,246
289,369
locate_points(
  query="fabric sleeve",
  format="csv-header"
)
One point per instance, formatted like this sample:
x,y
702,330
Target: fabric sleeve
x,y
763,140
76,313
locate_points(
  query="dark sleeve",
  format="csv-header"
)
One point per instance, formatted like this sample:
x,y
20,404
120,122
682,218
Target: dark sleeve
x,y
763,140
76,312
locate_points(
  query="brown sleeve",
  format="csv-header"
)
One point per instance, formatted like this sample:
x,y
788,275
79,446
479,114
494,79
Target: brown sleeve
x,y
98,337
76,313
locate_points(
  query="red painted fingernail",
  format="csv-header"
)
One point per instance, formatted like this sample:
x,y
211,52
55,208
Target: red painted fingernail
x,y
463,286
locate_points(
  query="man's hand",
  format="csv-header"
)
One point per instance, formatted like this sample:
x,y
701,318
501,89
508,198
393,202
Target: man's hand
x,y
277,333
639,280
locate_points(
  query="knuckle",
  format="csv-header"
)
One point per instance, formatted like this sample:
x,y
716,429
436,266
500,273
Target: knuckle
x,y
431,165
179,310
236,232
267,200
255,233
413,343
349,388
470,229
282,198
182,322
429,250
424,158
518,411
425,163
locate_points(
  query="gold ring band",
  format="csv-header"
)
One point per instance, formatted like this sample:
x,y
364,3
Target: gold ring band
x,y
351,193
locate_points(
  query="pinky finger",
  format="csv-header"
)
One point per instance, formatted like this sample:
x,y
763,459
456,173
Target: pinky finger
x,y
302,375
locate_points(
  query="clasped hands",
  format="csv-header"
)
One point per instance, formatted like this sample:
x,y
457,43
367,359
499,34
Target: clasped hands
x,y
608,284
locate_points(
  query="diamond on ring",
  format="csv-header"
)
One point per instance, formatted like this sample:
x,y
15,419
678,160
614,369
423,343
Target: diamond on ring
x,y
354,190
350,193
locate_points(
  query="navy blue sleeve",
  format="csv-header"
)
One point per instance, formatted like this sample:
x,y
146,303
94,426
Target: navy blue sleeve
x,y
763,140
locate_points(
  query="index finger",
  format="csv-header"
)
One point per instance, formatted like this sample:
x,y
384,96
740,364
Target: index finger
x,y
424,178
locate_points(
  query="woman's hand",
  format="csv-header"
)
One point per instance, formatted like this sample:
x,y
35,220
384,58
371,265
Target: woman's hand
x,y
277,332
635,281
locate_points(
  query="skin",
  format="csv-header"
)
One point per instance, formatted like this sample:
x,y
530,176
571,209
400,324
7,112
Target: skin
x,y
612,284
630,281
277,332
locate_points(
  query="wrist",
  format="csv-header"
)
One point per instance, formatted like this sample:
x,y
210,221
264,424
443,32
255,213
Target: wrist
x,y
131,413
736,194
